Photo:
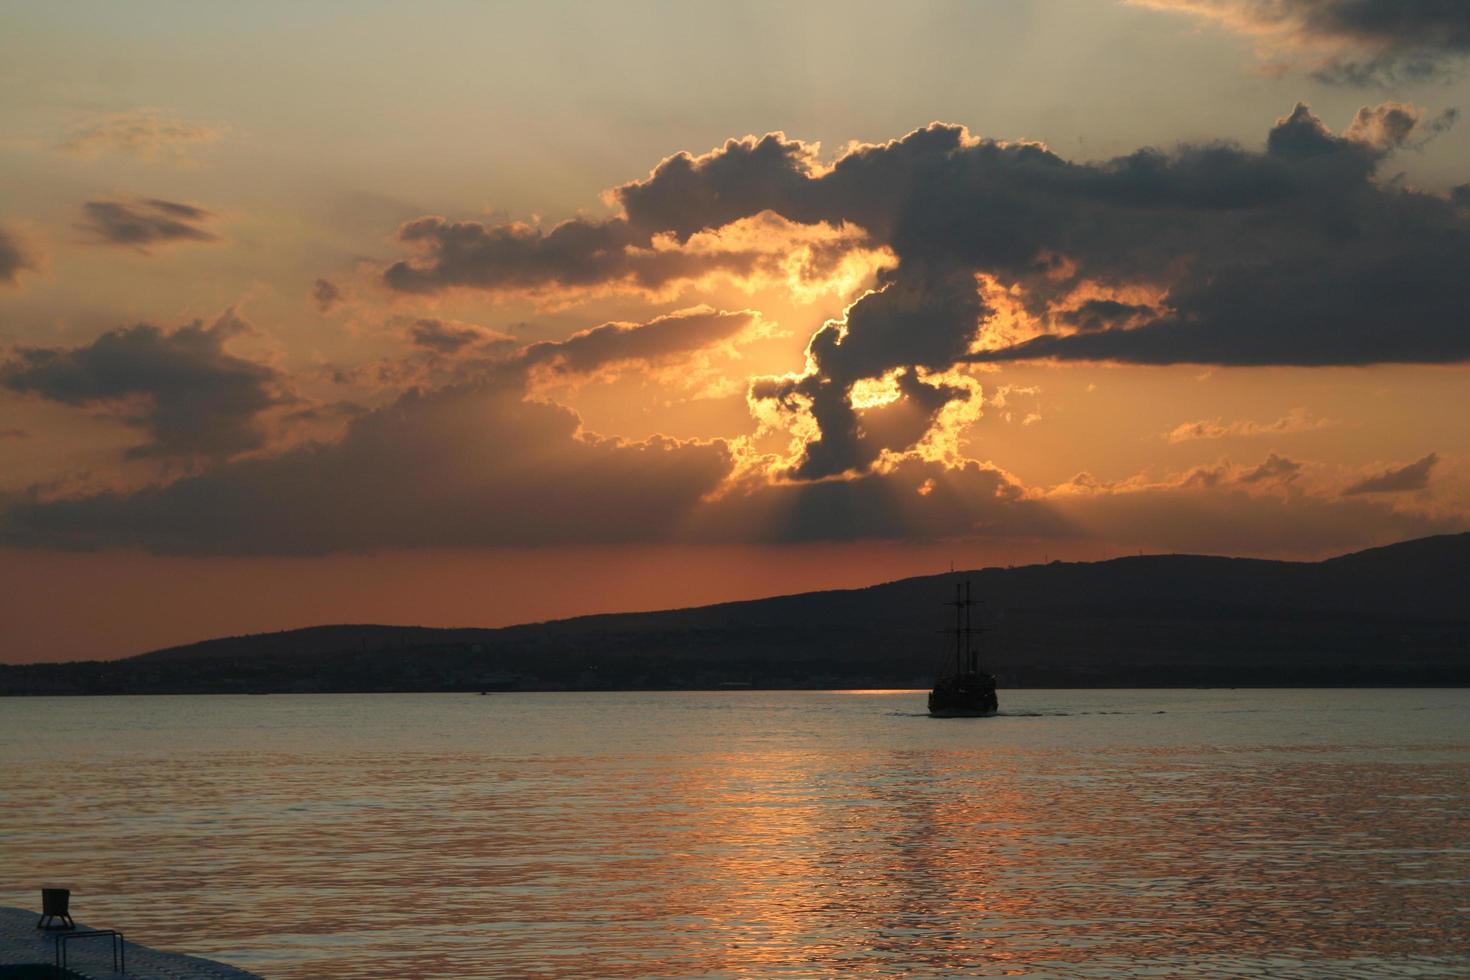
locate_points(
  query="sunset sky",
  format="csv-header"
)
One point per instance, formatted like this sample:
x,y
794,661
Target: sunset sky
x,y
472,314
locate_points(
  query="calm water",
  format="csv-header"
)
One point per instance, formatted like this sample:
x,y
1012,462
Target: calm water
x,y
1083,833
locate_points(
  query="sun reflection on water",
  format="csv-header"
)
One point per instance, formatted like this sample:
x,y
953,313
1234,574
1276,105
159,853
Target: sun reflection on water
x,y
755,834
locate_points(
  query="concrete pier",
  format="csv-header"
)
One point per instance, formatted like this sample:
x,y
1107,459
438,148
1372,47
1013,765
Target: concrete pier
x,y
22,942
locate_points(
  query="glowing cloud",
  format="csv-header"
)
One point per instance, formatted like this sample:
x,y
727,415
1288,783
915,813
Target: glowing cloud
x,y
1295,421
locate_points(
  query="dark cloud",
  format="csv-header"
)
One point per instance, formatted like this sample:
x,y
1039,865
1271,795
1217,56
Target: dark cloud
x,y
1273,468
326,295
462,466
15,257
942,196
664,339
184,388
1413,476
641,249
1301,135
1353,41
141,223
1390,125
1426,23
451,336
686,194
487,463
480,462
1300,257
186,212
329,412
577,253
922,318
452,351
482,465
1290,253
1294,254
916,500
1099,314
673,335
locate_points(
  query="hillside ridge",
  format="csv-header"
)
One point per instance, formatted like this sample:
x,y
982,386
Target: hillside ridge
x,y
1389,615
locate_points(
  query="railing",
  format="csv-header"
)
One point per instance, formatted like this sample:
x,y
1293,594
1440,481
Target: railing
x,y
119,952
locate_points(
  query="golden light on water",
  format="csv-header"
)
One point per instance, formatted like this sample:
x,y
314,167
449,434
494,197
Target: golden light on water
x,y
752,833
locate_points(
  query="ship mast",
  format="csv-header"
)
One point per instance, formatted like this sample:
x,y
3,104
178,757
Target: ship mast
x,y
966,660
959,641
970,650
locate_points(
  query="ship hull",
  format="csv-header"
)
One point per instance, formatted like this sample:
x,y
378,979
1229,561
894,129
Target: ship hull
x,y
964,696
962,712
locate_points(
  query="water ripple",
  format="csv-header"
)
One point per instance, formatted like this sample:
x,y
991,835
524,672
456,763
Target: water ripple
x,y
749,834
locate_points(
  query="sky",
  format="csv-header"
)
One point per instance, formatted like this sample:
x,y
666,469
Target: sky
x,y
474,314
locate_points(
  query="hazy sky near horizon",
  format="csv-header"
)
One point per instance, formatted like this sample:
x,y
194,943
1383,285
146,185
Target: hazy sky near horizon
x,y
466,314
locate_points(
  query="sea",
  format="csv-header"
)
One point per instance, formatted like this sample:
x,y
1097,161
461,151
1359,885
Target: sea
x,y
1178,833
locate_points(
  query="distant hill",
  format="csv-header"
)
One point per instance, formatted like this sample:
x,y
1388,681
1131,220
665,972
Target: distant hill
x,y
1391,615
